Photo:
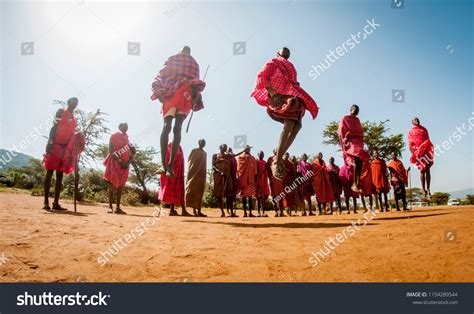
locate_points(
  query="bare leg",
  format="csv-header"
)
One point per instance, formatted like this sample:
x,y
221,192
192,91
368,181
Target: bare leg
x,y
244,203
386,202
164,139
428,179
47,187
176,142
293,133
57,188
347,199
111,198
250,207
221,206
379,198
288,126
355,205
357,167
362,198
423,184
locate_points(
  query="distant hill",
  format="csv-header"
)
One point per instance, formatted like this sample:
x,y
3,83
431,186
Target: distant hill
x,y
461,193
8,160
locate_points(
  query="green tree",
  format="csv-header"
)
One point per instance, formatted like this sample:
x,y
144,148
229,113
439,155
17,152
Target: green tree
x,y
145,171
440,198
414,194
376,137
470,198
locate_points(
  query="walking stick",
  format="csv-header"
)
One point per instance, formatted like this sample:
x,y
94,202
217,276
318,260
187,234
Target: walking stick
x,y
192,111
411,192
76,164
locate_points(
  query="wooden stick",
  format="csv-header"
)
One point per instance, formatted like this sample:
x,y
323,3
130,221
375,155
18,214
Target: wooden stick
x,y
192,111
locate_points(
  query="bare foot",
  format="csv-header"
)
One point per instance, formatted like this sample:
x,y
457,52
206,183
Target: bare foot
x,y
184,213
119,211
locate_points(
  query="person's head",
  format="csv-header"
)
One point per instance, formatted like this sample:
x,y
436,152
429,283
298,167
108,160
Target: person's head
x,y
123,127
293,159
223,148
304,157
202,143
284,53
376,154
261,154
286,156
415,121
320,156
72,103
230,151
274,151
354,110
247,149
185,50
394,156
331,160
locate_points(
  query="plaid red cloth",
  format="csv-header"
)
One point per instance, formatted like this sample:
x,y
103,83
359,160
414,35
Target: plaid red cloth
x,y
177,70
172,189
280,75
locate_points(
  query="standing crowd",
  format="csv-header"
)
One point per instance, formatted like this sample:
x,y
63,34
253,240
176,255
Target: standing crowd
x,y
290,182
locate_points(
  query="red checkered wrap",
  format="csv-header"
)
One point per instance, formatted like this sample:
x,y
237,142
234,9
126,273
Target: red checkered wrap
x,y
177,70
280,75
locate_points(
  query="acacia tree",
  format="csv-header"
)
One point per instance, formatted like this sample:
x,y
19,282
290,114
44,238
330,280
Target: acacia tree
x,y
376,138
145,170
440,198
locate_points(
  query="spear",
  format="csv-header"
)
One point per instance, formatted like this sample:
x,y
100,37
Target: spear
x,y
192,112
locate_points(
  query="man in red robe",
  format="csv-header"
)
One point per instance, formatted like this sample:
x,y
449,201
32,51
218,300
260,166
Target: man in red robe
x,y
263,189
223,180
289,185
351,137
399,180
178,88
422,151
367,188
172,188
276,188
246,178
277,88
61,151
380,180
117,165
196,178
305,168
346,176
322,184
333,170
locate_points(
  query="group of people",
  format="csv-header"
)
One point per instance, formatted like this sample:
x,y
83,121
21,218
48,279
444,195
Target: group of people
x,y
290,182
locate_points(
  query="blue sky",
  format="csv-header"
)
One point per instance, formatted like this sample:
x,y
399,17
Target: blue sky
x,y
80,49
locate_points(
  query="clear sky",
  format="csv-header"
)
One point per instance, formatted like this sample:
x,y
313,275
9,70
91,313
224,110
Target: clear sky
x,y
80,49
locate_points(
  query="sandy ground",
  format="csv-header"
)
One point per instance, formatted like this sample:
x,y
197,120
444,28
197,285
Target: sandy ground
x,y
36,245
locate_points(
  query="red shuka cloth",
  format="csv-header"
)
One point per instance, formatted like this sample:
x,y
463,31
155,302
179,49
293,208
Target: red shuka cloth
x,y
351,137
276,185
62,157
263,189
304,168
398,169
346,177
114,173
322,183
379,175
178,69
290,185
333,171
421,148
172,189
246,171
366,184
280,75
